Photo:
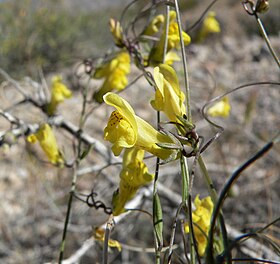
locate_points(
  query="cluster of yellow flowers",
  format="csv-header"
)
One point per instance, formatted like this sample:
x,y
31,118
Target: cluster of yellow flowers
x,y
173,39
126,130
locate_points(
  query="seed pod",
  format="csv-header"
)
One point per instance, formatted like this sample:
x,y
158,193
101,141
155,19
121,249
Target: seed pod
x,y
262,6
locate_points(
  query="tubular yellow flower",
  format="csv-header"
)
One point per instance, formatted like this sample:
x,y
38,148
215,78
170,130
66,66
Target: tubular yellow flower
x,y
59,92
201,218
133,176
168,97
221,108
126,130
99,234
210,25
115,74
48,143
116,30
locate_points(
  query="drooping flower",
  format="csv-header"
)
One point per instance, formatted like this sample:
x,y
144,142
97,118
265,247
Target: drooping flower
x,y
115,74
173,41
48,143
59,92
168,97
133,176
116,31
99,234
201,218
220,109
126,130
210,25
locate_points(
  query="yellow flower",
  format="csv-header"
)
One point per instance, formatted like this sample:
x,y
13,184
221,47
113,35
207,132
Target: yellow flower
x,y
48,143
221,108
201,218
126,130
59,92
154,26
168,97
210,25
115,74
172,42
134,175
99,234
116,30
173,33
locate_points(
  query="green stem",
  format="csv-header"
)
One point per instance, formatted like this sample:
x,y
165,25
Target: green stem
x,y
263,32
186,78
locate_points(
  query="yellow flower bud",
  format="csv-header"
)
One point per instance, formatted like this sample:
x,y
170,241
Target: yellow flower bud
x,y
116,30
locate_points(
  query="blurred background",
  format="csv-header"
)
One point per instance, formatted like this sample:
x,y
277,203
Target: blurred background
x,y
56,33
53,37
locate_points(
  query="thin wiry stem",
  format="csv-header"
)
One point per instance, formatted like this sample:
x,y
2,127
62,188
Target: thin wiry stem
x,y
172,236
186,77
166,33
252,9
263,32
